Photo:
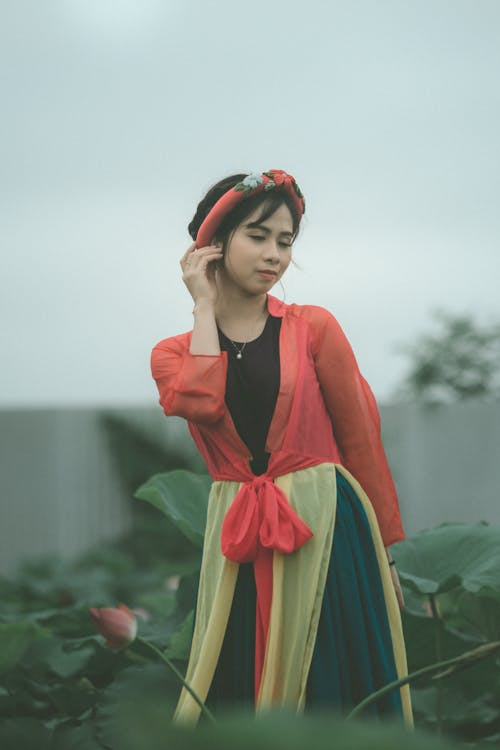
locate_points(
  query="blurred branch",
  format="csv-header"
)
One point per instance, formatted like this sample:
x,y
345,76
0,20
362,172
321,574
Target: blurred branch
x,y
460,361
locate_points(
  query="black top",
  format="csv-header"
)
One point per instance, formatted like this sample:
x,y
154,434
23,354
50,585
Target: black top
x,y
252,388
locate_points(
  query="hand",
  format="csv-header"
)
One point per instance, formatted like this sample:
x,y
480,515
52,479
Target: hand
x,y
198,271
397,586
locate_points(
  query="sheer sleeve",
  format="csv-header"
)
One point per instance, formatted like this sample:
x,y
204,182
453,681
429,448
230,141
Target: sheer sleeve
x,y
355,420
190,385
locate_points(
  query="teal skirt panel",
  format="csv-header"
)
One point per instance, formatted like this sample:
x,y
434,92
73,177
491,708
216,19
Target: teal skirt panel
x,y
353,654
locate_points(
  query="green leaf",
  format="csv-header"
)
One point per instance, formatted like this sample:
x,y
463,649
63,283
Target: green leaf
x,y
72,736
24,733
61,658
136,709
420,641
15,639
179,646
282,730
183,497
477,614
158,603
458,710
450,556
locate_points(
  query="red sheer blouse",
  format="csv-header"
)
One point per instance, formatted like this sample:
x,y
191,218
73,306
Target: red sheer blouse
x,y
325,410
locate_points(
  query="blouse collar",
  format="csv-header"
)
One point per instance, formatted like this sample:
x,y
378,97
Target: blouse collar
x,y
275,306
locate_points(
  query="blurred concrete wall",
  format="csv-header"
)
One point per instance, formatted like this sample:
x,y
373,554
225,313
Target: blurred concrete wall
x,y
60,490
445,462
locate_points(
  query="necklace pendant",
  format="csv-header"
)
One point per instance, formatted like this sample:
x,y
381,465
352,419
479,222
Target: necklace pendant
x,y
239,355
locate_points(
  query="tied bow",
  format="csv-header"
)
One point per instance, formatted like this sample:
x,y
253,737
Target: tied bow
x,y
259,521
260,516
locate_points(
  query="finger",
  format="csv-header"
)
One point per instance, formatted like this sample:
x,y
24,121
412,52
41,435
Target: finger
x,y
201,251
195,267
197,260
188,251
189,256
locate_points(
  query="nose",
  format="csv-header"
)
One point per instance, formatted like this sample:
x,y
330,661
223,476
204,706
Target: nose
x,y
271,251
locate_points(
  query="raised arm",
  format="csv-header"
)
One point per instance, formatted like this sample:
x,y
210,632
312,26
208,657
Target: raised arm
x,y
356,420
190,369
190,385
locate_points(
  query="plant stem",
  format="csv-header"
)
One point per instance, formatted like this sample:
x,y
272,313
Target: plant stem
x,y
462,661
438,632
174,669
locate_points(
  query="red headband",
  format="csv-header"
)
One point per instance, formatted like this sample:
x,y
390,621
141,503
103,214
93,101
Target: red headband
x,y
251,185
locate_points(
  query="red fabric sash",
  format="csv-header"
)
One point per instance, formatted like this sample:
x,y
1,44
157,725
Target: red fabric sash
x,y
259,521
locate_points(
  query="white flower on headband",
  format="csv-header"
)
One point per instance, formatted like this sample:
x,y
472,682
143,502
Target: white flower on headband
x,y
252,181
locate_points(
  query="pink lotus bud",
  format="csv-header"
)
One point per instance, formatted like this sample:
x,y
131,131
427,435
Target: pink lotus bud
x,y
117,624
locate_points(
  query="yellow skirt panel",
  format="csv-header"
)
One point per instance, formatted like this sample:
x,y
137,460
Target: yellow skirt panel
x,y
298,587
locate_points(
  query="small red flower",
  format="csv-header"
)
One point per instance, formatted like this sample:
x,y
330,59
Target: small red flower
x,y
279,177
117,624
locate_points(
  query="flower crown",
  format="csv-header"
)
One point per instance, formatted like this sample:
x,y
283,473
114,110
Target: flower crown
x,y
252,184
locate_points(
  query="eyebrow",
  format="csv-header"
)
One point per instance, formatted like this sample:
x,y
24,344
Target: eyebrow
x,y
256,225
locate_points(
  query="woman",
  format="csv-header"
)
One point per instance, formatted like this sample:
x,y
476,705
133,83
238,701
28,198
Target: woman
x,y
298,600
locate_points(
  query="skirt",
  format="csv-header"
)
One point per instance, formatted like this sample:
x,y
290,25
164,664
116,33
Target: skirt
x,y
353,654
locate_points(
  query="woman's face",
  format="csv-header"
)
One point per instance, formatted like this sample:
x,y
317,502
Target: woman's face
x,y
259,254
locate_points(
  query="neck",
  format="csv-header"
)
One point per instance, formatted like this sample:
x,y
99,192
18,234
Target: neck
x,y
233,305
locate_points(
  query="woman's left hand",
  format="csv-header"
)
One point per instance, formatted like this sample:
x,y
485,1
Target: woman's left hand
x,y
397,586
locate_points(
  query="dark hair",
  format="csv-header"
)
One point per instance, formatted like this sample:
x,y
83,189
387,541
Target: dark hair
x,y
270,202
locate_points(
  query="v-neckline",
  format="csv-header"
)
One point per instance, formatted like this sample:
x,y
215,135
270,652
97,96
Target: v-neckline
x,y
274,310
252,341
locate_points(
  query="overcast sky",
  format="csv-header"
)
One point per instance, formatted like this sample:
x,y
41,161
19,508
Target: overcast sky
x,y
117,116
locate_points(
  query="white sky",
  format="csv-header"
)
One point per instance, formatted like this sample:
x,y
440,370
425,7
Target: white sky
x,y
117,116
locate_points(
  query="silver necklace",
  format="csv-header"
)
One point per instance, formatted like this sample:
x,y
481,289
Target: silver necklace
x,y
239,351
239,354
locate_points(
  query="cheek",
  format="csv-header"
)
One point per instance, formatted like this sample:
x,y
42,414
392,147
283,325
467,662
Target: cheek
x,y
244,254
238,256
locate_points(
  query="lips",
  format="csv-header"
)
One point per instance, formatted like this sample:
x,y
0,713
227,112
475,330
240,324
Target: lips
x,y
267,272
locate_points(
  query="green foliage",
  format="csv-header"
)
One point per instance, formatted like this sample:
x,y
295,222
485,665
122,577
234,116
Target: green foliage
x,y
183,497
56,668
15,639
26,733
451,556
61,688
138,704
460,361
451,576
274,731
180,644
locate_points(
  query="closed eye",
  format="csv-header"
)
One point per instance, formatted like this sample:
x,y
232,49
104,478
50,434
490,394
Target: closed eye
x,y
259,237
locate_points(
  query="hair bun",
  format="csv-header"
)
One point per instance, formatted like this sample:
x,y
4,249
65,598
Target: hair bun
x,y
209,201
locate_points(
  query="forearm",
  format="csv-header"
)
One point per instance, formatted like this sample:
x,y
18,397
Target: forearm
x,y
204,339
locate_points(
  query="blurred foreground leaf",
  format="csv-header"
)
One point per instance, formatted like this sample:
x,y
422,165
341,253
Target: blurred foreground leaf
x,y
135,710
287,731
183,497
24,733
15,639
